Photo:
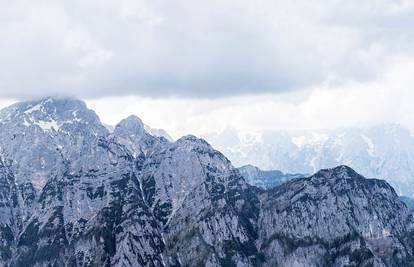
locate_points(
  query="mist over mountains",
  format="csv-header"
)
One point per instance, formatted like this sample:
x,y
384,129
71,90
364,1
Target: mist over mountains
x,y
384,151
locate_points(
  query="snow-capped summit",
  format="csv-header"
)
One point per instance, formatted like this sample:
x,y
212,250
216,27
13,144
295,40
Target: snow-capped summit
x,y
50,114
41,136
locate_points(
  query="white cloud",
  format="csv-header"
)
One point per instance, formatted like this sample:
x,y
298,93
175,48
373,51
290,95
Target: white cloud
x,y
209,49
197,67
388,100
355,104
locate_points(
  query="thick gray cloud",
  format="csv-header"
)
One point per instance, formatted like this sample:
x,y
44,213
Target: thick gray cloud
x,y
196,48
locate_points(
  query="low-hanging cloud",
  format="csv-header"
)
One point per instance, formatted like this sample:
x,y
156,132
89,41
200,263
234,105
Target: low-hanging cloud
x,y
210,49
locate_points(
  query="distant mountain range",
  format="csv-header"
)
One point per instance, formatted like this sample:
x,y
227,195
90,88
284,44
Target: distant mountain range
x,y
266,179
73,193
384,151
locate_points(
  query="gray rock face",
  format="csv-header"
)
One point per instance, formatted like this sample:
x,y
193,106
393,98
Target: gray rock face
x,y
74,194
204,204
131,133
79,192
334,218
8,212
43,138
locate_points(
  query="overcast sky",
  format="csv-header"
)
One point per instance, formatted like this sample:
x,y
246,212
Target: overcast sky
x,y
201,66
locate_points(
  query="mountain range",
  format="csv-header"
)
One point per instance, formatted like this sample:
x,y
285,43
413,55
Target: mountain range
x,y
73,193
266,179
382,151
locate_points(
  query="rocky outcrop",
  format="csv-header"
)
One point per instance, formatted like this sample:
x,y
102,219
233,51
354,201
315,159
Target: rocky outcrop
x,y
334,218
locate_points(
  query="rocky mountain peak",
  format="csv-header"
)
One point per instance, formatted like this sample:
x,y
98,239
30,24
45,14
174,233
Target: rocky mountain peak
x,y
50,114
192,141
81,196
40,137
339,172
131,133
336,210
130,125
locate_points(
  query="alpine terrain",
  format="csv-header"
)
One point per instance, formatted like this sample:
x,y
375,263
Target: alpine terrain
x,y
73,193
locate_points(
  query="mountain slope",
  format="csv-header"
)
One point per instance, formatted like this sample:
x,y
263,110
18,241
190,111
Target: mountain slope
x,y
80,195
41,137
334,218
205,205
86,195
75,194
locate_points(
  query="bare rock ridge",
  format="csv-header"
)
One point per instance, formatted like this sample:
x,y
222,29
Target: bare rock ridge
x,y
335,218
73,193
